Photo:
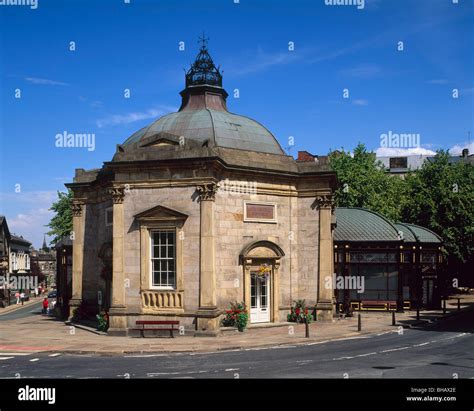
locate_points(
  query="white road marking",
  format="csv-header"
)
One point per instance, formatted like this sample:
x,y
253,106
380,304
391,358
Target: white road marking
x,y
232,369
54,355
318,342
365,355
6,358
350,338
342,358
34,359
396,349
420,345
151,374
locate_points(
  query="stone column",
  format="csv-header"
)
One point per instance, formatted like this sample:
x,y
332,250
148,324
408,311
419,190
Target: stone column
x,y
78,229
324,306
208,314
118,319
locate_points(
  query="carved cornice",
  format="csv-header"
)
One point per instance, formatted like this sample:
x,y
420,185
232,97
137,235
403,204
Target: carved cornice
x,y
207,191
117,194
324,201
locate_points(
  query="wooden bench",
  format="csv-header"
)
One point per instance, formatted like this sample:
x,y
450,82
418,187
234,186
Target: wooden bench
x,y
162,326
382,305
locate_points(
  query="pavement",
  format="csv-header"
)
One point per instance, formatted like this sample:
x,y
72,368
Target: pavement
x,y
33,332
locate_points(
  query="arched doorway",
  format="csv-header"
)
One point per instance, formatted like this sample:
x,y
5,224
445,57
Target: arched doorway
x,y
261,264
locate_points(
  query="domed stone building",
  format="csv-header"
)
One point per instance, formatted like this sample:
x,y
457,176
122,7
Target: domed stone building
x,y
192,210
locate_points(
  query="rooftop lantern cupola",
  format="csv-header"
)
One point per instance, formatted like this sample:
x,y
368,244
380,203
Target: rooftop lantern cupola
x,y
203,83
203,70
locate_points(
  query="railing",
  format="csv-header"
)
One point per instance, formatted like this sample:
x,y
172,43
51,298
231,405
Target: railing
x,y
159,300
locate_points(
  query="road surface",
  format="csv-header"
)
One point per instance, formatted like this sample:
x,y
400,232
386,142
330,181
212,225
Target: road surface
x,y
443,351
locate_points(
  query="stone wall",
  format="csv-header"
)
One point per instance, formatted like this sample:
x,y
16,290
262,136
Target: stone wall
x,y
96,233
296,232
177,198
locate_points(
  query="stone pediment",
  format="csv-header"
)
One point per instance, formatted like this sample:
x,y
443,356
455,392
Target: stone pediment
x,y
262,249
162,139
160,213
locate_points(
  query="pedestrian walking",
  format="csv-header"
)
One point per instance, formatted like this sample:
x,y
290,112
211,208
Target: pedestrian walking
x,y
45,305
17,296
22,298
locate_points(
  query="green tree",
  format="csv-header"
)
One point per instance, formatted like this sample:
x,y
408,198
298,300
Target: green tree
x,y
441,197
364,183
61,223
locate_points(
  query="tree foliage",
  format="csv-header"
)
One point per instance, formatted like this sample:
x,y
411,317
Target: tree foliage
x,y
364,183
438,196
61,223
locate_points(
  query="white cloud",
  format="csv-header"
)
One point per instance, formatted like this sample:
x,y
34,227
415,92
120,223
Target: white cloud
x,y
116,119
30,213
438,81
360,102
365,70
28,197
395,152
261,61
467,90
457,149
45,81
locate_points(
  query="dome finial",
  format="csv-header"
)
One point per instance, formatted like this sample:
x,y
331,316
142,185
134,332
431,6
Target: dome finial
x,y
203,40
203,70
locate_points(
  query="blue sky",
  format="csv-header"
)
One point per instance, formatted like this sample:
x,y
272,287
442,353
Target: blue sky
x,y
293,93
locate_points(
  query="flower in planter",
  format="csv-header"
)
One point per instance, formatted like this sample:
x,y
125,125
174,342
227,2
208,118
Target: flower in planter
x,y
236,316
299,313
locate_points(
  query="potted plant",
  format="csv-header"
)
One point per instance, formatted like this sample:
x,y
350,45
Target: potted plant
x,y
102,321
236,316
299,313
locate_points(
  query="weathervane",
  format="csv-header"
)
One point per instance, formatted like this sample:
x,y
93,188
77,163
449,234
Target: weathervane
x,y
203,40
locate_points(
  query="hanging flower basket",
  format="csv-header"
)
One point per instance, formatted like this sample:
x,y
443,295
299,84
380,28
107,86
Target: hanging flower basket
x,y
264,270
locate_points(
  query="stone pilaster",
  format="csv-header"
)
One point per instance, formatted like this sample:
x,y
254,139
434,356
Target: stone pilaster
x,y
78,228
208,314
324,306
117,317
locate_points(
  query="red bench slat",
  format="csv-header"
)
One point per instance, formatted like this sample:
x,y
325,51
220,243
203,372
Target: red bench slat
x,y
146,322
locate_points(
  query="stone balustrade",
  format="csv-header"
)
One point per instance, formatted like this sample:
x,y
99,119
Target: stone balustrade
x,y
162,299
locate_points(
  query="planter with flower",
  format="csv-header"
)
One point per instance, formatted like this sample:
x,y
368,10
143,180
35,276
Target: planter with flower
x,y
236,316
299,313
102,321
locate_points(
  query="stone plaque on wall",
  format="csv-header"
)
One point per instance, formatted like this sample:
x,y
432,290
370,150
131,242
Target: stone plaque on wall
x,y
263,212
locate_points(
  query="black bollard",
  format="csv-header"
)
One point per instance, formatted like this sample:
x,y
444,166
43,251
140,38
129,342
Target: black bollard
x,y
418,313
393,318
306,325
459,304
444,305
359,323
